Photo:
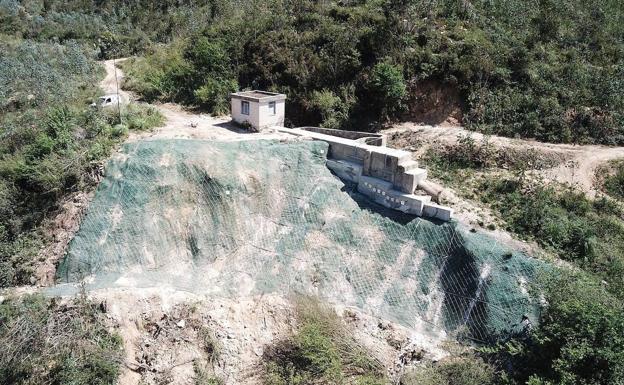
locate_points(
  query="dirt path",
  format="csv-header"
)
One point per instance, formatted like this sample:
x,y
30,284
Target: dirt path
x,y
111,84
579,169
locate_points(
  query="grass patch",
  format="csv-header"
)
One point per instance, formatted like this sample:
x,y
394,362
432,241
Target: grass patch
x,y
465,369
44,342
141,117
321,351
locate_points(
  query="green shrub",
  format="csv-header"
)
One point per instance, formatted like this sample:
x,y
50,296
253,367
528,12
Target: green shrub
x,y
140,117
334,111
57,344
387,88
321,350
214,94
613,183
461,370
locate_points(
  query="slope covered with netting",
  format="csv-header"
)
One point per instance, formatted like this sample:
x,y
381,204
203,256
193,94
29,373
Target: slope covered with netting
x,y
250,217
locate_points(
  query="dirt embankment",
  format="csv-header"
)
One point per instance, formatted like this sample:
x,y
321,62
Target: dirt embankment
x,y
574,165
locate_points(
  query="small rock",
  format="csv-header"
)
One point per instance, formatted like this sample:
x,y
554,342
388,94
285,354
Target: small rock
x,y
1,299
181,324
33,280
350,315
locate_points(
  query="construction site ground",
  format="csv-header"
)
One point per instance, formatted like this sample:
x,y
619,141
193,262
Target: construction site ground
x,y
160,326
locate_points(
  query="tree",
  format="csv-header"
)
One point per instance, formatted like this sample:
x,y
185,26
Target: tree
x,y
387,88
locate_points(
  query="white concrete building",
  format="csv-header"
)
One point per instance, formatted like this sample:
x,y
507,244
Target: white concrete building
x,y
260,109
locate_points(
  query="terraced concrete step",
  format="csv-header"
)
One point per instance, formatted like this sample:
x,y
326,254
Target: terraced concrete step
x,y
419,174
433,210
410,164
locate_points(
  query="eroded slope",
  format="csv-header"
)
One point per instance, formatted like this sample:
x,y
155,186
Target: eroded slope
x,y
236,219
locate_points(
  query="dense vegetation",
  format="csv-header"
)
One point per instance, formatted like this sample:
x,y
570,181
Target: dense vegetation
x,y
587,233
50,140
555,73
44,342
580,339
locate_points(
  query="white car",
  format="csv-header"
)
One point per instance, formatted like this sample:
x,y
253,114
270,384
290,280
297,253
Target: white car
x,y
106,101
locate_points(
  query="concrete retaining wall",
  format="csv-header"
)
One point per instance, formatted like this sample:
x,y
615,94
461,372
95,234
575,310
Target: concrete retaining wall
x,y
369,138
382,192
387,176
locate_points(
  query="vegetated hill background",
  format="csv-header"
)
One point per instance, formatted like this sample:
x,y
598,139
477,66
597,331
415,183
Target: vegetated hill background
x,y
548,69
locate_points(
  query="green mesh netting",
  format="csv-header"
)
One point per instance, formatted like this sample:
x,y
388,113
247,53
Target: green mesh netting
x,y
250,217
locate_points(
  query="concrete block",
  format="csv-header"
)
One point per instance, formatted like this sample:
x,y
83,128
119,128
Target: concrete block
x,y
409,165
408,181
383,193
345,170
419,174
433,210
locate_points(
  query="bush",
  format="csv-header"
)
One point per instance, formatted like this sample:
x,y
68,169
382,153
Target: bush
x,y
579,339
461,370
387,88
321,350
44,342
333,110
214,95
140,118
613,183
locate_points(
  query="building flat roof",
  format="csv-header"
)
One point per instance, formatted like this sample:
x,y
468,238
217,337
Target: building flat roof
x,y
257,95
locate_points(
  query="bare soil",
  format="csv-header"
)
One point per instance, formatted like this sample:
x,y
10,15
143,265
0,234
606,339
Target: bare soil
x,y
574,165
434,103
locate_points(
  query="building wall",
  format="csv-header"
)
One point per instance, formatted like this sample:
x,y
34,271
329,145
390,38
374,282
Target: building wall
x,y
259,113
267,119
253,118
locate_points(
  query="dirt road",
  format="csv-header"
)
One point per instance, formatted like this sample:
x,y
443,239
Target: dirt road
x,y
111,84
579,169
